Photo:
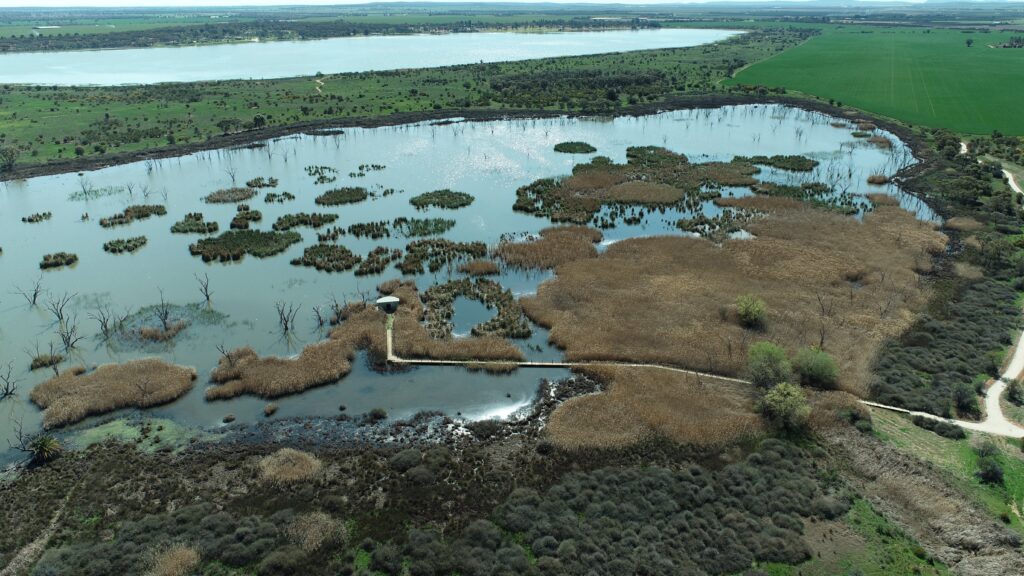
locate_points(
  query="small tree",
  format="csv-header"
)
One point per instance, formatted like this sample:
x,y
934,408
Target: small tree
x,y
816,368
966,400
1015,392
969,42
751,310
8,156
768,364
786,407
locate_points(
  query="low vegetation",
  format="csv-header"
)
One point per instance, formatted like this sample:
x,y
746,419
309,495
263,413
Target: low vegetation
x,y
377,260
447,199
508,322
555,246
244,216
416,227
133,213
327,258
360,326
194,223
76,394
575,148
479,268
125,245
233,245
287,466
641,403
58,260
37,217
846,292
667,179
792,163
229,195
339,196
315,220
438,253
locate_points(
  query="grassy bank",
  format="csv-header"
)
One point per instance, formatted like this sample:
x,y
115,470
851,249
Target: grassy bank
x,y
922,76
88,125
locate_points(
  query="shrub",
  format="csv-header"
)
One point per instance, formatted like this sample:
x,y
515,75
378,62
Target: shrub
x,y
751,310
768,364
405,459
786,407
815,367
989,470
1015,392
944,429
965,398
311,531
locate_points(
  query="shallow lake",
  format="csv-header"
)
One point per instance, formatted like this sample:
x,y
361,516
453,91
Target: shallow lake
x,y
487,159
330,56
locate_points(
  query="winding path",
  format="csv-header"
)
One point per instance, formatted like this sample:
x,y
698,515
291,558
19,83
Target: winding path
x,y
995,421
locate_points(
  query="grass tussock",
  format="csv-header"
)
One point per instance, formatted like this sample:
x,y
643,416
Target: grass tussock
x,y
76,394
964,224
827,280
177,560
878,179
288,466
556,245
642,402
360,327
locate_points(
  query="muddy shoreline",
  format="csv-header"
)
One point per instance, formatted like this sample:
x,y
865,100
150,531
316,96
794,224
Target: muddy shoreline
x,y
250,137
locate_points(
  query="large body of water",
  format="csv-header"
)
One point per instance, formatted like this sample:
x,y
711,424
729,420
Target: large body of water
x,y
334,55
487,159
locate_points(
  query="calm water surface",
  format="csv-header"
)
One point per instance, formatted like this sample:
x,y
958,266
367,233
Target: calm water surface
x,y
487,159
333,55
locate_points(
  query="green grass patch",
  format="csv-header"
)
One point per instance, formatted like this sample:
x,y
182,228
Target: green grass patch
x,y
574,148
448,199
919,75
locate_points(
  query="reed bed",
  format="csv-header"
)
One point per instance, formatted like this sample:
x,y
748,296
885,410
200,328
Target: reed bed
x,y
76,394
479,268
827,280
360,326
229,195
644,402
556,245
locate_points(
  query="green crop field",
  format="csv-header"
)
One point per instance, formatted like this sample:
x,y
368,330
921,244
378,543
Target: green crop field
x,y
924,77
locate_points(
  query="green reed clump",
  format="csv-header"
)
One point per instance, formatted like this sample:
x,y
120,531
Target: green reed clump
x,y
261,182
377,260
234,244
330,235
58,260
574,147
338,196
37,217
230,195
323,174
244,216
447,199
416,227
374,230
281,198
791,162
315,220
509,322
194,223
122,245
327,258
435,253
132,213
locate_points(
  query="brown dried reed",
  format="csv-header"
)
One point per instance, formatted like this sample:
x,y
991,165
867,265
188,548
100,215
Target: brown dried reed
x,y
76,394
557,245
827,279
287,466
642,402
242,371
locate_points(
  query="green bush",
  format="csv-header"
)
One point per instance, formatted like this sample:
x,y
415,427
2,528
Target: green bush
x,y
1015,392
816,368
768,364
752,311
989,470
786,407
944,429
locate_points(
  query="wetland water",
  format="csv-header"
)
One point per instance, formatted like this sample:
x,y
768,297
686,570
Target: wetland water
x,y
254,60
489,160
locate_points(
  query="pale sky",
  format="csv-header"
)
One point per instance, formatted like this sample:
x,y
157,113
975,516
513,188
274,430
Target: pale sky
x,y
218,3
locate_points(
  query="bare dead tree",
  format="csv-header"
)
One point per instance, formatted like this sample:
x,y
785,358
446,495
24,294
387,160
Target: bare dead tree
x,y
232,173
318,313
31,294
57,305
826,306
227,355
145,190
337,309
162,311
144,387
8,383
286,315
106,319
67,330
21,439
204,286
54,365
131,189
